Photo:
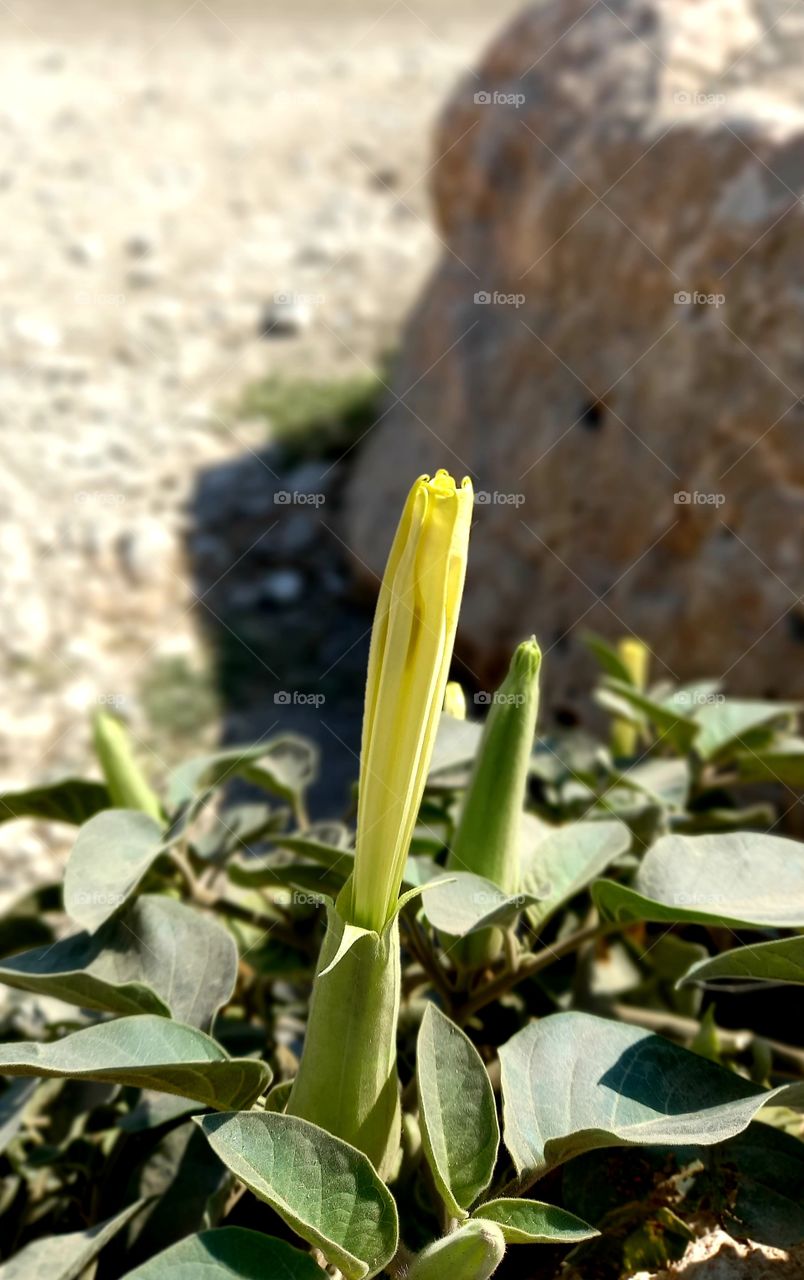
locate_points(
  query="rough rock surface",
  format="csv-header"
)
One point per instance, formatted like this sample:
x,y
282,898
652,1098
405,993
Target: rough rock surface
x,y
717,1256
621,183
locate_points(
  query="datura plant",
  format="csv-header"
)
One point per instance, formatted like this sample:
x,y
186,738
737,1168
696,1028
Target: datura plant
x,y
486,1030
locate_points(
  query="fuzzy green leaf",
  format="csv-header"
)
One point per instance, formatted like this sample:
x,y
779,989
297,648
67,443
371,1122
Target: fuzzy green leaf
x,y
158,957
460,1133
107,862
229,1253
615,1085
326,1190
533,1222
148,1052
739,879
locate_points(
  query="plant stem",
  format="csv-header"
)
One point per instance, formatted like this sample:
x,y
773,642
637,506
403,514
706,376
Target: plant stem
x,y
528,965
687,1028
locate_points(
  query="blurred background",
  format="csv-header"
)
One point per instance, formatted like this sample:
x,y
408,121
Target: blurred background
x,y
262,265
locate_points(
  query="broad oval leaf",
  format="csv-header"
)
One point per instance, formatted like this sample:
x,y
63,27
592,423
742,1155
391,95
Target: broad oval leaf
x,y
566,860
534,1222
228,1252
460,1133
765,1168
65,1257
326,1190
466,903
740,879
107,862
148,1052
778,961
72,800
613,1085
159,956
729,722
285,766
781,761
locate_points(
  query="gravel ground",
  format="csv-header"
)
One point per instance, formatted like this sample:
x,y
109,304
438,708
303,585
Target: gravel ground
x,y
177,180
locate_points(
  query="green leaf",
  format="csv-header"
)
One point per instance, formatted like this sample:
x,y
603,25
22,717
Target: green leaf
x,y
779,961
455,747
566,860
460,1133
65,1257
158,957
725,724
327,1191
148,1052
738,879
466,903
13,1104
533,1222
229,1252
762,1171
107,862
673,722
615,1085
608,657
284,766
71,800
783,761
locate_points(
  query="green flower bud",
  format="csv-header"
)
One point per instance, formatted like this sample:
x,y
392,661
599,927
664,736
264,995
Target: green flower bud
x,y
487,839
473,1252
124,779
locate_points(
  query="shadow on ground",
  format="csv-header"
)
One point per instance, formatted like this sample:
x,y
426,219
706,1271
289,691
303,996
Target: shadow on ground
x,y
286,627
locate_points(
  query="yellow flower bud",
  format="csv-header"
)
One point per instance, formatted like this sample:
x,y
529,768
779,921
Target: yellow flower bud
x,y
455,701
411,649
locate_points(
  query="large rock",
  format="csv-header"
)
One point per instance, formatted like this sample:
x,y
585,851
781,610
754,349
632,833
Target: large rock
x,y
607,161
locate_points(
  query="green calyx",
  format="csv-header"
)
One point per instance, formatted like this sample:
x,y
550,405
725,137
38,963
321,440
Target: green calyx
x,y
473,1252
487,840
347,1081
